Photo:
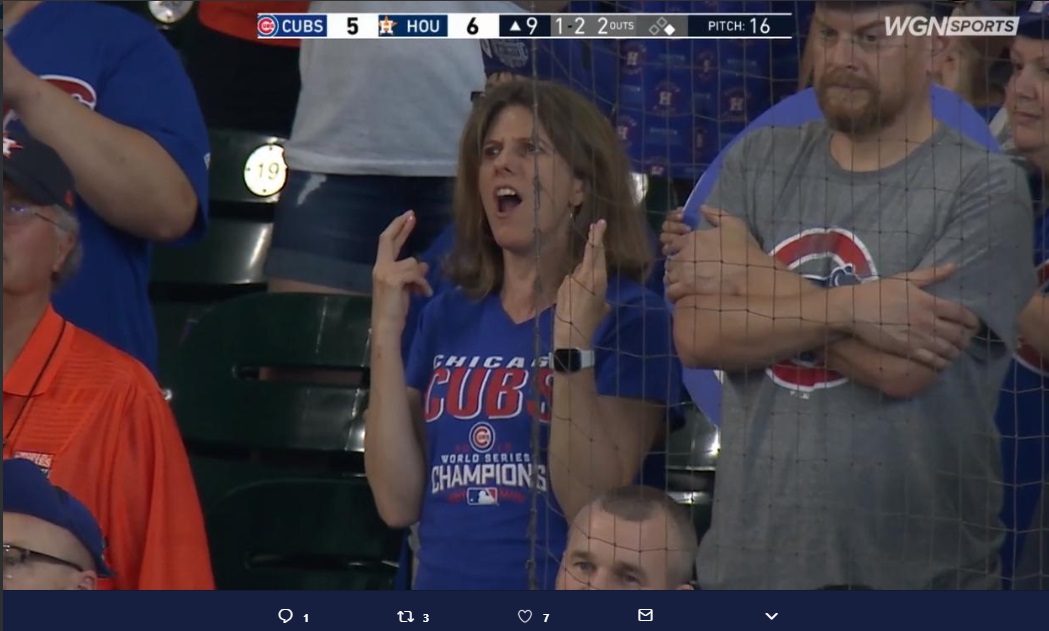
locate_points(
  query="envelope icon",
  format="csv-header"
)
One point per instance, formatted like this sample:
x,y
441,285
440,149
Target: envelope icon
x,y
645,615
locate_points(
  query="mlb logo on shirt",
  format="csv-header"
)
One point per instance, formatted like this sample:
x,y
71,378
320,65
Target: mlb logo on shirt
x,y
482,496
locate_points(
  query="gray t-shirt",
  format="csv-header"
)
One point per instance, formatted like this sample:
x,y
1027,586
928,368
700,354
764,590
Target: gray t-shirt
x,y
822,481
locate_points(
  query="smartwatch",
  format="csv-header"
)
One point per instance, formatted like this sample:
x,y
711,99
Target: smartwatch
x,y
570,360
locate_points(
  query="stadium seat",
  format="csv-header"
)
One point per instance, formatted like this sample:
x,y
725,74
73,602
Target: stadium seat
x,y
231,253
247,172
692,453
246,175
174,319
218,398
257,446
307,534
657,201
186,282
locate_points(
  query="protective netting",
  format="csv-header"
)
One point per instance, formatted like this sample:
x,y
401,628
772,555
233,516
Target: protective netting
x,y
859,456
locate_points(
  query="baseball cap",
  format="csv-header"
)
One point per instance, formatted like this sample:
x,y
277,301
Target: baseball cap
x,y
1032,22
38,170
27,491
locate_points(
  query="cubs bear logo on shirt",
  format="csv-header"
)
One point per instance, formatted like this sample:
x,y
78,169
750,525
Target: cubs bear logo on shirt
x,y
829,257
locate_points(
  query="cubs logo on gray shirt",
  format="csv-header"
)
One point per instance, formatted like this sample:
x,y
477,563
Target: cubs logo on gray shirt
x,y
823,481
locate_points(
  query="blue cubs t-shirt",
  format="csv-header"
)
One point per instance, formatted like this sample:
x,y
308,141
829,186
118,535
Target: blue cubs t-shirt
x,y
117,64
441,247
1023,421
486,387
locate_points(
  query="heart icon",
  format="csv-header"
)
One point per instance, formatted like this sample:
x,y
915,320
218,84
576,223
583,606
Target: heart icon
x,y
524,615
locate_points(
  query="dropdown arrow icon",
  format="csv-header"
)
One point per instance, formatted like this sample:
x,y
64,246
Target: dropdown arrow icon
x,y
771,616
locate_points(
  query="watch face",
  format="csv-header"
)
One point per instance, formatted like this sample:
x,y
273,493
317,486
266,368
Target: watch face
x,y
566,360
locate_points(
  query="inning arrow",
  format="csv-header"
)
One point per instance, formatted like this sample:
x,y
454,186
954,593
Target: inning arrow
x,y
771,616
514,27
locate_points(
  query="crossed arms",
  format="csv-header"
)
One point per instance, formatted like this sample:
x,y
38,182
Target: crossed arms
x,y
738,309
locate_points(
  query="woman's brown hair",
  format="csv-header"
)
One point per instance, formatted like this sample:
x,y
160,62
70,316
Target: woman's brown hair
x,y
587,141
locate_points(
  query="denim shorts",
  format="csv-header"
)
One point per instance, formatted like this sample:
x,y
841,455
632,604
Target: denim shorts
x,y
326,227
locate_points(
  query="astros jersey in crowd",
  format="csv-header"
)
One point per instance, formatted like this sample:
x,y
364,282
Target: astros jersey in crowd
x,y
116,63
94,419
676,102
1023,410
484,386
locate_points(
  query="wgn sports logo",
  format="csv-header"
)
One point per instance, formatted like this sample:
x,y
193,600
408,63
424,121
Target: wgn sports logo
x,y
955,25
291,26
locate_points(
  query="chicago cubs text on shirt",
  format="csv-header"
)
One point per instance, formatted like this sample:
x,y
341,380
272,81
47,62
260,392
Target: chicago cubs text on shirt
x,y
497,399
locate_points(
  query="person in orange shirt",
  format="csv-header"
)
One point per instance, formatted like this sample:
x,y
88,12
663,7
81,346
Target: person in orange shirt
x,y
90,416
243,82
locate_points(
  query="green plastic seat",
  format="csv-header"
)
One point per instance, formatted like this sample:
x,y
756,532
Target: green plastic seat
x,y
218,398
278,463
247,169
174,319
231,254
692,453
308,534
700,506
693,447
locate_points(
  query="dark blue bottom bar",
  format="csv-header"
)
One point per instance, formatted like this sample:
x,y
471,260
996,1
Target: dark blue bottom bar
x,y
543,611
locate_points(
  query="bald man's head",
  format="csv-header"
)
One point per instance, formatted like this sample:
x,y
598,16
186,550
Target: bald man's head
x,y
630,538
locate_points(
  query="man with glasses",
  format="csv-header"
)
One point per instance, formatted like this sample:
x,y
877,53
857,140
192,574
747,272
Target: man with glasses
x,y
51,540
89,415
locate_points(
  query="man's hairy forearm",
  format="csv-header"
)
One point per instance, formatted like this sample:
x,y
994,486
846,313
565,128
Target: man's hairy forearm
x,y
736,333
894,376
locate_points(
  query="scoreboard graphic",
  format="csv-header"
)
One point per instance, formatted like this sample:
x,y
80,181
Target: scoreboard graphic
x,y
526,26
